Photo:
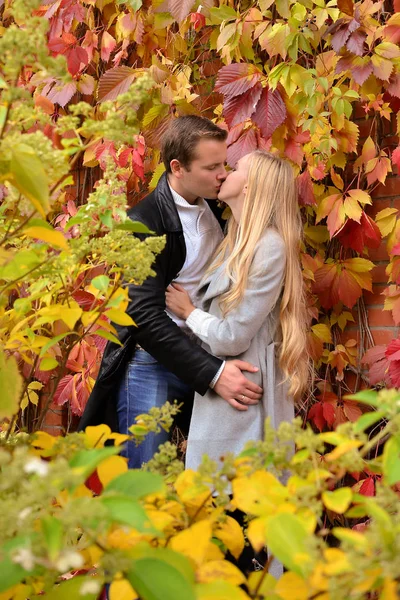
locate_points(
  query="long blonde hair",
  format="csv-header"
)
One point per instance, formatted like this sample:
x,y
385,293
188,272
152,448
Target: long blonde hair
x,y
270,202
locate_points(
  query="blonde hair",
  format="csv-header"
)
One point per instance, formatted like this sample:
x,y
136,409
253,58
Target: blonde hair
x,y
270,202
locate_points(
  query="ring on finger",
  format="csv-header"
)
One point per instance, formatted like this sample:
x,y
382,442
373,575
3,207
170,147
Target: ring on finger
x,y
243,398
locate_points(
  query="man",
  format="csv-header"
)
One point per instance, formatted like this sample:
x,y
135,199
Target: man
x,y
159,360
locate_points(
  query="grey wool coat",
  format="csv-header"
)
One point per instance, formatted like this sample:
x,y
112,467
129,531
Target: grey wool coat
x,y
250,332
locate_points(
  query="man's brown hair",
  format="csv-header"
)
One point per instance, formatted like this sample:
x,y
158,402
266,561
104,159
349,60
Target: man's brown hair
x,y
182,136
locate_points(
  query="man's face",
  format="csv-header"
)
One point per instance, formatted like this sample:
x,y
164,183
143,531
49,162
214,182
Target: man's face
x,y
204,175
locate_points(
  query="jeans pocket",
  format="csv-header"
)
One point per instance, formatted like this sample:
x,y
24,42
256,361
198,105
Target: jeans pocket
x,y
141,357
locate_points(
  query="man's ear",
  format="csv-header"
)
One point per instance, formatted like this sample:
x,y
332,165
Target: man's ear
x,y
176,168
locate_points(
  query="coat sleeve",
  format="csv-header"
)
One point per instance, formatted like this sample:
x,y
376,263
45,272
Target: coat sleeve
x,y
232,335
159,335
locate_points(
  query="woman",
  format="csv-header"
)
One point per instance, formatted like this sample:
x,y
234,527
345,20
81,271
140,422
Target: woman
x,y
252,306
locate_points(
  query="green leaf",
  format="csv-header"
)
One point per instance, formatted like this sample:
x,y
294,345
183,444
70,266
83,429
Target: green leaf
x,y
224,590
29,177
71,589
134,226
12,573
134,4
101,283
125,510
367,420
223,13
175,559
365,396
108,336
391,460
53,536
155,579
10,386
48,364
136,484
3,115
286,539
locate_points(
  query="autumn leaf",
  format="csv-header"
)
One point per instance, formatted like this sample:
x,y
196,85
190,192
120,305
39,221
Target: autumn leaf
x,y
305,189
270,112
346,6
180,9
239,108
236,79
342,281
378,365
341,31
245,144
358,235
108,44
114,82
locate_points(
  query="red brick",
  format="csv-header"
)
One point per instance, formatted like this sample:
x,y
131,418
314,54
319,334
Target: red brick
x,y
378,273
378,253
390,188
383,336
375,297
380,318
378,204
367,128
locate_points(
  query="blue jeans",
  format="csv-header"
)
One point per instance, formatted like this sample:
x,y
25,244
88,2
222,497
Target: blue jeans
x,y
146,384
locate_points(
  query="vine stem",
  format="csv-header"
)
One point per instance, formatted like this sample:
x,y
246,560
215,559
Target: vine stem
x,y
264,574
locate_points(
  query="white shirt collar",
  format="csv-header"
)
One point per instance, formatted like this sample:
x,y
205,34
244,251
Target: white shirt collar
x,y
180,200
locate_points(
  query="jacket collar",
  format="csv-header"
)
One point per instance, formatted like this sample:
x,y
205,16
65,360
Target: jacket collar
x,y
165,202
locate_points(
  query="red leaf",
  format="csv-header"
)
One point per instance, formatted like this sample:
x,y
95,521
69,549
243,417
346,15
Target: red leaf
x,y
64,390
396,5
85,299
358,235
378,372
393,350
352,410
326,285
75,58
355,43
374,354
368,487
329,413
245,144
180,9
239,108
396,158
315,414
114,82
270,112
348,288
90,43
234,134
394,373
108,44
103,151
198,20
342,33
94,484
305,189
235,79
62,94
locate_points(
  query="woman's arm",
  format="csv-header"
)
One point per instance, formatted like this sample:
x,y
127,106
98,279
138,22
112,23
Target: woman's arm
x,y
232,335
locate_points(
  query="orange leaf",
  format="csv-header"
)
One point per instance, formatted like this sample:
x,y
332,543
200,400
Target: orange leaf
x,y
114,82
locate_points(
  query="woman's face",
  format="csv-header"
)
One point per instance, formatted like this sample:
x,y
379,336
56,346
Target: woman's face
x,y
234,186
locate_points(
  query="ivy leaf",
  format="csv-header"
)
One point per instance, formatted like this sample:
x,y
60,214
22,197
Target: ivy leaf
x,y
11,386
382,67
396,158
356,42
239,108
346,6
108,44
114,82
134,4
29,177
235,79
270,112
342,30
358,235
305,189
245,144
180,9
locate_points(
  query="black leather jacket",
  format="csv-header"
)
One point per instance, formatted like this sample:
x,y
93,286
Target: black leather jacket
x,y
155,331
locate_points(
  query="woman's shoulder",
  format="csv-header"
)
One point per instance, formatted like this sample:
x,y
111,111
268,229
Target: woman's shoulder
x,y
270,243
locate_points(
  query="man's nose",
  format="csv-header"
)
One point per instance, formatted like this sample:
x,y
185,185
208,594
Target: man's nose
x,y
222,174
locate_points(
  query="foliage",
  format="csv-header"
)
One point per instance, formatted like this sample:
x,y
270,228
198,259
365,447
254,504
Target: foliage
x,y
73,516
62,288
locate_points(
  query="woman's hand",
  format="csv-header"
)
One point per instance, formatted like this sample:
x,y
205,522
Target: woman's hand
x,y
178,301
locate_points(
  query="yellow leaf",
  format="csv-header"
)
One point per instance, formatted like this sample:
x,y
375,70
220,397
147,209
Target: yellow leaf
x,y
10,385
342,449
122,590
119,317
96,435
160,519
337,562
190,488
256,533
258,494
220,569
322,332
50,236
43,441
119,438
124,539
360,196
231,534
111,468
386,220
292,587
193,542
267,585
370,577
355,538
389,591
338,500
219,590
213,553
70,316
308,518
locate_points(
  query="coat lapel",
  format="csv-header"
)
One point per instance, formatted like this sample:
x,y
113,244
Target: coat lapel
x,y
213,285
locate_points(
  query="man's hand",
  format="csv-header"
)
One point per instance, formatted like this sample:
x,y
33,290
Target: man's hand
x,y
235,388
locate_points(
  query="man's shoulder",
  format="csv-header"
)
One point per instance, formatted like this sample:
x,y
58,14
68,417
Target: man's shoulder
x,y
146,209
